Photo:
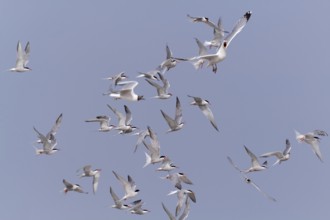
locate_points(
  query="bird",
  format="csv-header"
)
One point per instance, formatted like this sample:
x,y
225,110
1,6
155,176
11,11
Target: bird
x,y
313,139
182,195
166,165
184,214
150,74
207,21
137,208
177,179
22,58
117,78
281,156
53,130
203,105
48,144
162,91
124,122
221,53
126,93
118,203
255,165
129,186
170,61
249,181
218,35
202,50
154,149
88,172
72,187
176,123
104,123
142,134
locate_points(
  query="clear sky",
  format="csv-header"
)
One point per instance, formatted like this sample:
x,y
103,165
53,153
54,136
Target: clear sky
x,y
275,79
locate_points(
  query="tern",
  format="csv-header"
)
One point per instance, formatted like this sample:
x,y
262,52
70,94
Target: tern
x,y
184,214
22,58
313,139
129,186
141,136
177,179
104,123
221,53
254,161
118,204
154,149
48,144
218,35
88,172
126,93
176,123
72,187
249,181
151,74
117,78
281,156
182,195
203,105
162,91
137,208
207,21
53,130
167,165
124,122
170,61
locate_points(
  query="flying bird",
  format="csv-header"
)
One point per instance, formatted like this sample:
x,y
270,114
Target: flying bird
x,y
129,186
117,78
184,214
176,123
182,195
104,122
137,208
126,92
221,53
124,121
48,144
281,156
51,134
72,187
22,58
154,149
88,172
203,105
118,203
313,139
162,91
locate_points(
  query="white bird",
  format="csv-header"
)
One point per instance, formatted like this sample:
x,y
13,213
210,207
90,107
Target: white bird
x,y
255,165
218,35
221,53
137,208
203,105
48,144
184,214
313,139
124,122
167,165
170,61
162,91
249,181
126,93
129,186
182,195
72,187
151,74
117,78
141,136
22,58
281,156
205,20
177,179
104,122
88,172
53,130
118,203
154,149
176,123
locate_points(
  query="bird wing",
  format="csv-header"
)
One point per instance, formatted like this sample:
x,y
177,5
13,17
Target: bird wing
x,y
178,111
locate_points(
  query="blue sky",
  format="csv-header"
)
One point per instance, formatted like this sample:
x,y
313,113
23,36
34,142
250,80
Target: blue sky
x,y
274,80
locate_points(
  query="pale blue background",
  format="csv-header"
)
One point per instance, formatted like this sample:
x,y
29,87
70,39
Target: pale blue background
x,y
274,80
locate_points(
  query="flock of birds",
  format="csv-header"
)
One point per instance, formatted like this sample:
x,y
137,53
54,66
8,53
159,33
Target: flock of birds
x,y
121,88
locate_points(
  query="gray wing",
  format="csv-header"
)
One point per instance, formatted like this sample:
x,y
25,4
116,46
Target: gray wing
x,y
168,52
67,184
115,197
96,178
320,133
120,116
258,188
316,149
273,153
238,27
128,85
56,126
171,123
26,53
202,50
178,111
233,164
186,210
254,159
20,56
209,115
128,117
287,147
169,214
